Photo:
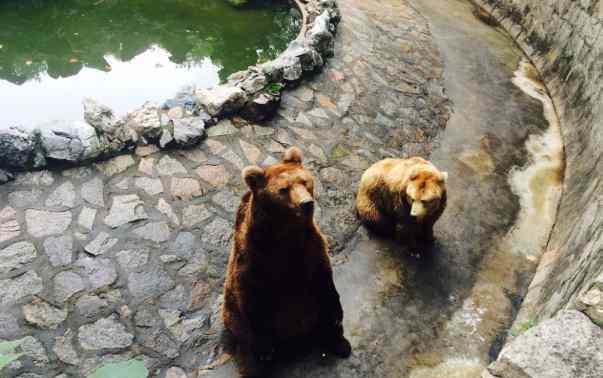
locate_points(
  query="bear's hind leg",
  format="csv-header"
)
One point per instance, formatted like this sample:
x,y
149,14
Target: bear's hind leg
x,y
330,328
332,339
250,366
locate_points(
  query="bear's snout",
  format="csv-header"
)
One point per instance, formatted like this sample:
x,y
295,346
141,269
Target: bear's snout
x,y
307,206
302,199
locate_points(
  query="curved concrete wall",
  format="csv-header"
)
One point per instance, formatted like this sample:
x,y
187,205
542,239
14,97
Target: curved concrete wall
x,y
564,38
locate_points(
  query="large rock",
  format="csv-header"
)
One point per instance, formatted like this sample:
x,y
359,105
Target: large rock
x,y
144,124
292,68
567,346
73,141
106,333
253,82
188,131
5,177
262,107
286,67
99,116
320,36
221,100
309,58
16,149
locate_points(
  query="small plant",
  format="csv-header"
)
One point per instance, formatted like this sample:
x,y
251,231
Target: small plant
x,y
274,89
523,327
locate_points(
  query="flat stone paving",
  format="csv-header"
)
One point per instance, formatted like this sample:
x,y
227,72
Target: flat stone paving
x,y
126,258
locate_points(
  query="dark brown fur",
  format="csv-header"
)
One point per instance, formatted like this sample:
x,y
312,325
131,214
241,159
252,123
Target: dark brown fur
x,y
279,287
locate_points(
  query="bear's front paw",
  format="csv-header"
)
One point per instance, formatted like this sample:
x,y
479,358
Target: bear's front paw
x,y
342,348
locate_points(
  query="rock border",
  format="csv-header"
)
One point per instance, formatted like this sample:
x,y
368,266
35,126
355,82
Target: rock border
x,y
253,94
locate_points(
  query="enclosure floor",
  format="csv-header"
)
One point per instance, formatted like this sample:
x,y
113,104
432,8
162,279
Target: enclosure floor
x,y
141,241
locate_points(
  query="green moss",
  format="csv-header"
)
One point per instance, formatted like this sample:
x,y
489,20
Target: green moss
x,y
339,152
523,327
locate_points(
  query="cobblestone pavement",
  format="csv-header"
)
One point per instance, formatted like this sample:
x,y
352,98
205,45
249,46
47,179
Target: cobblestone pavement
x,y
126,258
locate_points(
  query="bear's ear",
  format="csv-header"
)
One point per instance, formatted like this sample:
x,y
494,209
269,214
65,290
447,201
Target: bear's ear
x,y
444,177
293,155
254,177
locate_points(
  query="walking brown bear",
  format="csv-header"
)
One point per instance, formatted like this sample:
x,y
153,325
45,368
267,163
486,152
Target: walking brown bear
x,y
279,288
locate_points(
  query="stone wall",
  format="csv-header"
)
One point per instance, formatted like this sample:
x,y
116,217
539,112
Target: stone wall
x,y
564,40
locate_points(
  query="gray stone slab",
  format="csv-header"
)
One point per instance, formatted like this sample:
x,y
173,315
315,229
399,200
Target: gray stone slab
x,y
125,209
67,284
16,256
101,244
15,289
107,333
567,346
59,250
43,315
41,223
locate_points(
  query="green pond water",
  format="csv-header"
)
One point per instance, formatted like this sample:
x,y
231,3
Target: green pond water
x,y
54,53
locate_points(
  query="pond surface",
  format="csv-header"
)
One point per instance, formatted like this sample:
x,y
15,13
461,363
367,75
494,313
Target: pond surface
x,y
125,52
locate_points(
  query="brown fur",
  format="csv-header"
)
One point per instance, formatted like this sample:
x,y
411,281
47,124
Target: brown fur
x,y
402,193
279,286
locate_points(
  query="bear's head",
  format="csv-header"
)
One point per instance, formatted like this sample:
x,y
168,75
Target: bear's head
x,y
424,191
285,189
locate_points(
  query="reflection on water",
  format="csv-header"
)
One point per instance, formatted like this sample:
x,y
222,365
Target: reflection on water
x,y
124,52
150,76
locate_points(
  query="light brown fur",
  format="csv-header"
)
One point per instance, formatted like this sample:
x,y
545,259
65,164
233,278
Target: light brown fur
x,y
279,288
402,193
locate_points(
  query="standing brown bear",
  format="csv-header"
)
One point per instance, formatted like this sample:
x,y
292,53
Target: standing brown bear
x,y
279,289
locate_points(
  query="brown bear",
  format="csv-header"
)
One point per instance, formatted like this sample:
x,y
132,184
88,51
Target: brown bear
x,y
279,288
404,196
